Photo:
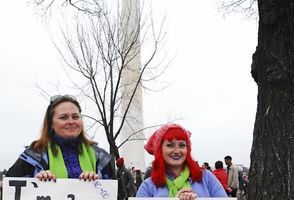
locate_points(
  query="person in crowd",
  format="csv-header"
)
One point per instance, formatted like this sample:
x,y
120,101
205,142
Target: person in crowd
x,y
221,174
126,185
138,179
174,173
147,172
233,180
241,181
133,171
245,179
206,165
63,149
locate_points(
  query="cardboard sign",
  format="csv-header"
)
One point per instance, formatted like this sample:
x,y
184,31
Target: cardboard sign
x,y
62,189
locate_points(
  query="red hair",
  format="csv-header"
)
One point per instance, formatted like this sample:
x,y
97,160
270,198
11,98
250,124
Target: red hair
x,y
158,171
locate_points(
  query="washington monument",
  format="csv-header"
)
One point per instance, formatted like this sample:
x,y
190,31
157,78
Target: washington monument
x,y
133,149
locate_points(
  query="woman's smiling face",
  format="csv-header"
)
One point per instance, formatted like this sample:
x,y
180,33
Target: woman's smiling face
x,y
67,121
174,153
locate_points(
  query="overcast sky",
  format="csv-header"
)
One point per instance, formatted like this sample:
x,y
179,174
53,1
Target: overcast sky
x,y
212,91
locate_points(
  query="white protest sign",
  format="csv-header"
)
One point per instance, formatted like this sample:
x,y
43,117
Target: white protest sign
x,y
62,189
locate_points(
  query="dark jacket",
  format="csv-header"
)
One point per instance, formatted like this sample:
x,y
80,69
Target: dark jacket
x,y
126,185
30,163
139,180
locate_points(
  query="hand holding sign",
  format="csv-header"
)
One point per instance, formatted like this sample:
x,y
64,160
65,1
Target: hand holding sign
x,y
45,176
92,176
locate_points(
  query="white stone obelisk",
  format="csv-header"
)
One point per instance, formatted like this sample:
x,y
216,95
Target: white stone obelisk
x,y
133,149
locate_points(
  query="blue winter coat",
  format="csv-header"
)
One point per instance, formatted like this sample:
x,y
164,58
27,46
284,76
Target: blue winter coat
x,y
208,187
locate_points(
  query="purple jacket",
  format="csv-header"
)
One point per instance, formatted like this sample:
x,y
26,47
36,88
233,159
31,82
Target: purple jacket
x,y
209,187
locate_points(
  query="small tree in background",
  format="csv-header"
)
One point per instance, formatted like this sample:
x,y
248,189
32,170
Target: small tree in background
x,y
97,53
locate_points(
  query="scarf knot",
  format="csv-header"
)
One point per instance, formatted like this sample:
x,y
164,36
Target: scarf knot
x,y
178,183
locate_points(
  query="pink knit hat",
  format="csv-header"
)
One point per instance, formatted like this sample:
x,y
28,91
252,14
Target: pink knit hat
x,y
155,141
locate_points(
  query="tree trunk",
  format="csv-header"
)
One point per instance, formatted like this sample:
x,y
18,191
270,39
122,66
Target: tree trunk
x,y
113,149
271,173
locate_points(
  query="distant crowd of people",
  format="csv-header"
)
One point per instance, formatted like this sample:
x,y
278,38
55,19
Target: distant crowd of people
x,y
233,179
64,150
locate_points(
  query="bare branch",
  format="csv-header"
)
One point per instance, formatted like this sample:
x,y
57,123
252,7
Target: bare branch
x,y
138,131
89,7
248,8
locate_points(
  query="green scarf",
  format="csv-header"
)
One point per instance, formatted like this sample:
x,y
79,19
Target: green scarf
x,y
57,166
178,183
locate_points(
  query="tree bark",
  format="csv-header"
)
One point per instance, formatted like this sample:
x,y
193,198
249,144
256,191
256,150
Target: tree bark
x,y
271,174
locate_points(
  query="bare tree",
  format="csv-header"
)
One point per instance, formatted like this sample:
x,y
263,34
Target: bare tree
x,y
98,53
246,8
271,174
92,7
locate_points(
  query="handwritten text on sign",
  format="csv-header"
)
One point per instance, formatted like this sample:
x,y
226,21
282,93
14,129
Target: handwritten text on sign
x,y
62,189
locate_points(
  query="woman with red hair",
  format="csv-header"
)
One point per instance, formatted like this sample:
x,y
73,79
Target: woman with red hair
x,y
174,173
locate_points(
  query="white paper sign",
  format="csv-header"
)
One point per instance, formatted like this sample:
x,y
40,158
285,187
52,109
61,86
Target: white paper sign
x,y
62,189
